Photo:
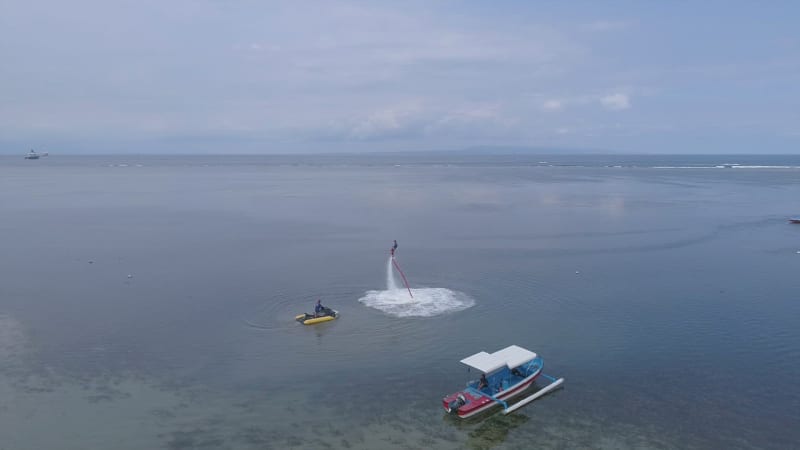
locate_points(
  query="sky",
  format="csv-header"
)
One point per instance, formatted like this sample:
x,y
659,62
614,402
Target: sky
x,y
227,76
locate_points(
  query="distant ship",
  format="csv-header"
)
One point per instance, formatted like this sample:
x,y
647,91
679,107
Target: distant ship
x,y
33,155
794,219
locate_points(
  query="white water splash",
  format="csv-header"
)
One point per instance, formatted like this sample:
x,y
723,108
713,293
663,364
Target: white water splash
x,y
426,302
390,284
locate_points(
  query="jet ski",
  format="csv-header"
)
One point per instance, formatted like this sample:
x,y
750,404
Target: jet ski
x,y
326,315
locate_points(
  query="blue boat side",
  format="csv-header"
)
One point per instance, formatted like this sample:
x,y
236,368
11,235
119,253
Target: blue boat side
x,y
505,378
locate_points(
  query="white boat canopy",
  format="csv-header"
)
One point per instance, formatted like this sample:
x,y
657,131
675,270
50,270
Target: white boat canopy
x,y
511,356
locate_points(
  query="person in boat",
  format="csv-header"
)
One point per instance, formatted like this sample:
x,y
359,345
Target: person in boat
x,y
483,383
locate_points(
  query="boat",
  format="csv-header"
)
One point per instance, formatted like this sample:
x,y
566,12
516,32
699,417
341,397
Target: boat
x,y
508,372
794,219
32,155
311,319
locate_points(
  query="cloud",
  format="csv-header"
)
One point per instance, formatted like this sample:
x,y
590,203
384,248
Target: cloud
x,y
616,102
602,26
415,119
351,73
358,66
397,121
474,121
552,105
612,102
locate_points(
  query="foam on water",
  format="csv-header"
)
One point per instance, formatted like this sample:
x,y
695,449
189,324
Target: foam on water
x,y
427,302
727,166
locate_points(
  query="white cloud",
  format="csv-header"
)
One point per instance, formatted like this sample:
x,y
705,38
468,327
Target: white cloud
x,y
473,120
552,105
416,119
353,72
471,114
613,102
616,102
389,122
600,26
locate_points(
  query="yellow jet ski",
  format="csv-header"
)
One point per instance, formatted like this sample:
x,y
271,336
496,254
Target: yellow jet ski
x,y
326,315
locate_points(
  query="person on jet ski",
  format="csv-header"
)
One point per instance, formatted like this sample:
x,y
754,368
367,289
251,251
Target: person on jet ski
x,y
319,310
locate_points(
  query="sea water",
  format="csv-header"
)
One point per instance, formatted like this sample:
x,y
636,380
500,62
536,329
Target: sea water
x,y
662,288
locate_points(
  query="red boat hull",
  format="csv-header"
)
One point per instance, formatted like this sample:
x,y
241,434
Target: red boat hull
x,y
476,404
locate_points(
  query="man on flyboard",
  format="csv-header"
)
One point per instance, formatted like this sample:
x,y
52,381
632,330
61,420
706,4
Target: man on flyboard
x,y
394,247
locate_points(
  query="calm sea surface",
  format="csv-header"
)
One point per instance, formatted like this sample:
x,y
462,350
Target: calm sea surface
x,y
147,302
